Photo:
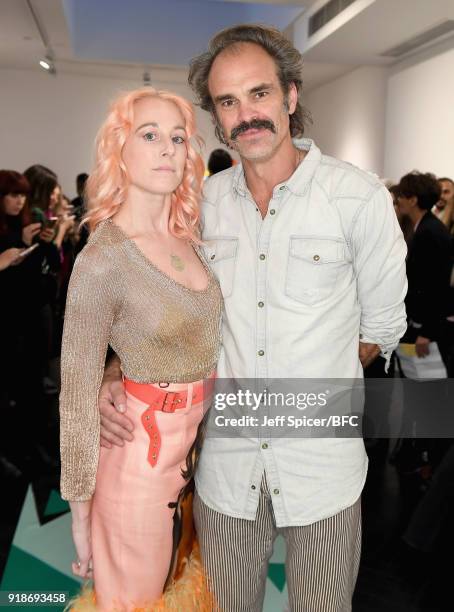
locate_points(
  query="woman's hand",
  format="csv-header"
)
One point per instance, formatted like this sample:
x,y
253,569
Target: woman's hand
x,y
47,234
81,530
65,224
29,232
9,258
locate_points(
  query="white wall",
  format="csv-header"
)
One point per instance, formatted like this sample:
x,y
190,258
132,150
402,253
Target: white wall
x,y
53,120
420,115
349,117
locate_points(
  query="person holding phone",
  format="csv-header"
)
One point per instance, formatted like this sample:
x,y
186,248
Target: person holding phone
x,y
42,200
22,298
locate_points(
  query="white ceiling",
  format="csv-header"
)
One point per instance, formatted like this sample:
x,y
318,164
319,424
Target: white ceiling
x,y
354,38
361,33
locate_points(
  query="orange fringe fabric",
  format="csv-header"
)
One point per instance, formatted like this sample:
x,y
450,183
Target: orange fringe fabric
x,y
187,594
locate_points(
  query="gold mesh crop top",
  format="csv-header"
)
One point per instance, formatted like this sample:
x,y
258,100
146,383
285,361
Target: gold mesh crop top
x,y
160,330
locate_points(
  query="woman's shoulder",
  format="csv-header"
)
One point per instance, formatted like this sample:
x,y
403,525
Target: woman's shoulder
x,y
101,253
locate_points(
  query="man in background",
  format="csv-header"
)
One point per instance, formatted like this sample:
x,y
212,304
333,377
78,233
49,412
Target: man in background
x,y
444,208
78,202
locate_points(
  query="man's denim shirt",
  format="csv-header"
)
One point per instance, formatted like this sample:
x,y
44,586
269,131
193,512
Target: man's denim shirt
x,y
324,269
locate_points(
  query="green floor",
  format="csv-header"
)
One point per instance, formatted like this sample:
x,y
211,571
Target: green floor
x,y
40,557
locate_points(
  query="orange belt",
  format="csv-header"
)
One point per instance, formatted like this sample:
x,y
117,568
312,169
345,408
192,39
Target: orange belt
x,y
166,401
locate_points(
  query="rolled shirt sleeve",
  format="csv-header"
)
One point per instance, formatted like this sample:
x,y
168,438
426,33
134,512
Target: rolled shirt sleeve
x,y
379,252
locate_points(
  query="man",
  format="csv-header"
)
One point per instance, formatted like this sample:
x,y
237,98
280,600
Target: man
x,y
427,304
443,209
79,210
428,262
310,259
78,203
218,161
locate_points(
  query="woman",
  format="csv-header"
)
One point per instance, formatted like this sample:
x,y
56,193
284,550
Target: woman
x,y
141,286
42,200
45,200
22,298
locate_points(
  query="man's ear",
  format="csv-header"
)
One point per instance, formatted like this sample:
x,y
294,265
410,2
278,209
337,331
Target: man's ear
x,y
292,98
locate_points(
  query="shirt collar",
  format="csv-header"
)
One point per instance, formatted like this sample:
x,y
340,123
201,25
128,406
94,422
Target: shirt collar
x,y
297,183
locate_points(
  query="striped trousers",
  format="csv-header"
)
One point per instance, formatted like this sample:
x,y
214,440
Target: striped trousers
x,y
321,565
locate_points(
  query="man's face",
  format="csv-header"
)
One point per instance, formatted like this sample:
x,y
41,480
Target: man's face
x,y
249,103
447,193
405,205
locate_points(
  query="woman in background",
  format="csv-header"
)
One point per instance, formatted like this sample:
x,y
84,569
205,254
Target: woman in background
x,y
141,286
21,346
42,200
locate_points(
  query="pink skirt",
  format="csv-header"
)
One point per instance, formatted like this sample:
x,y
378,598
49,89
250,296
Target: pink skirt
x,y
132,523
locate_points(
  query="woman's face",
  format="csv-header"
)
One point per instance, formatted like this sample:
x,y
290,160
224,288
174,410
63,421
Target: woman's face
x,y
63,207
155,151
54,197
13,203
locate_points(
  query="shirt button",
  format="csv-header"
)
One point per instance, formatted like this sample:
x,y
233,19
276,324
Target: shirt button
x,y
253,487
316,258
213,256
264,446
261,353
272,211
282,188
261,256
276,491
261,304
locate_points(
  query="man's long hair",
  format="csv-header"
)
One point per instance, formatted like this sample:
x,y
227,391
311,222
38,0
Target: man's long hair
x,y
289,65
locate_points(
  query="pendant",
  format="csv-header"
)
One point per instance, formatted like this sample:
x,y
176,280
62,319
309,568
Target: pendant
x,y
177,263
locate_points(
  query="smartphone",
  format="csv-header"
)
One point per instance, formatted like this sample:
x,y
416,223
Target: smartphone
x,y
51,222
27,252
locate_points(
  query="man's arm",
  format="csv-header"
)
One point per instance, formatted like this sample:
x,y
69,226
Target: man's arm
x,y
116,427
379,252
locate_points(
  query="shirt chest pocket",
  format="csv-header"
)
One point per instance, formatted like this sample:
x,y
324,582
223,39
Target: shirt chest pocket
x,y
313,267
221,254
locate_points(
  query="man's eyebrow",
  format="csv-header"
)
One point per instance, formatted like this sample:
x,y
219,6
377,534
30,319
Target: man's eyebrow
x,y
261,87
223,97
253,90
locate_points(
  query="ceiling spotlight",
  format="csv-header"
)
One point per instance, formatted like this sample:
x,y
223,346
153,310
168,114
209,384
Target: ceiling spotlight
x,y
48,65
146,79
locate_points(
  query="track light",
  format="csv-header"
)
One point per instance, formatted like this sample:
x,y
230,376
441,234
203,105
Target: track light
x,y
146,79
48,65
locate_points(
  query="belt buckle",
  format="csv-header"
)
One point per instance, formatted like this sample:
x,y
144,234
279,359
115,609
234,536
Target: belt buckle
x,y
167,402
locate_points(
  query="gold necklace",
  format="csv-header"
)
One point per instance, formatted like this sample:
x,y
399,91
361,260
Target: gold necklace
x,y
176,262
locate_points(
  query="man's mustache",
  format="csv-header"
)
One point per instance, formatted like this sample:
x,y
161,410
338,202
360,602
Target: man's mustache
x,y
254,124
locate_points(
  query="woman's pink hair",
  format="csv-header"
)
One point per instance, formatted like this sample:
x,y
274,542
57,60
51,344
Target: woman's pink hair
x,y
107,185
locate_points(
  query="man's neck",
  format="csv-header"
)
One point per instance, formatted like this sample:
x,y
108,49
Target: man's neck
x,y
416,215
263,176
